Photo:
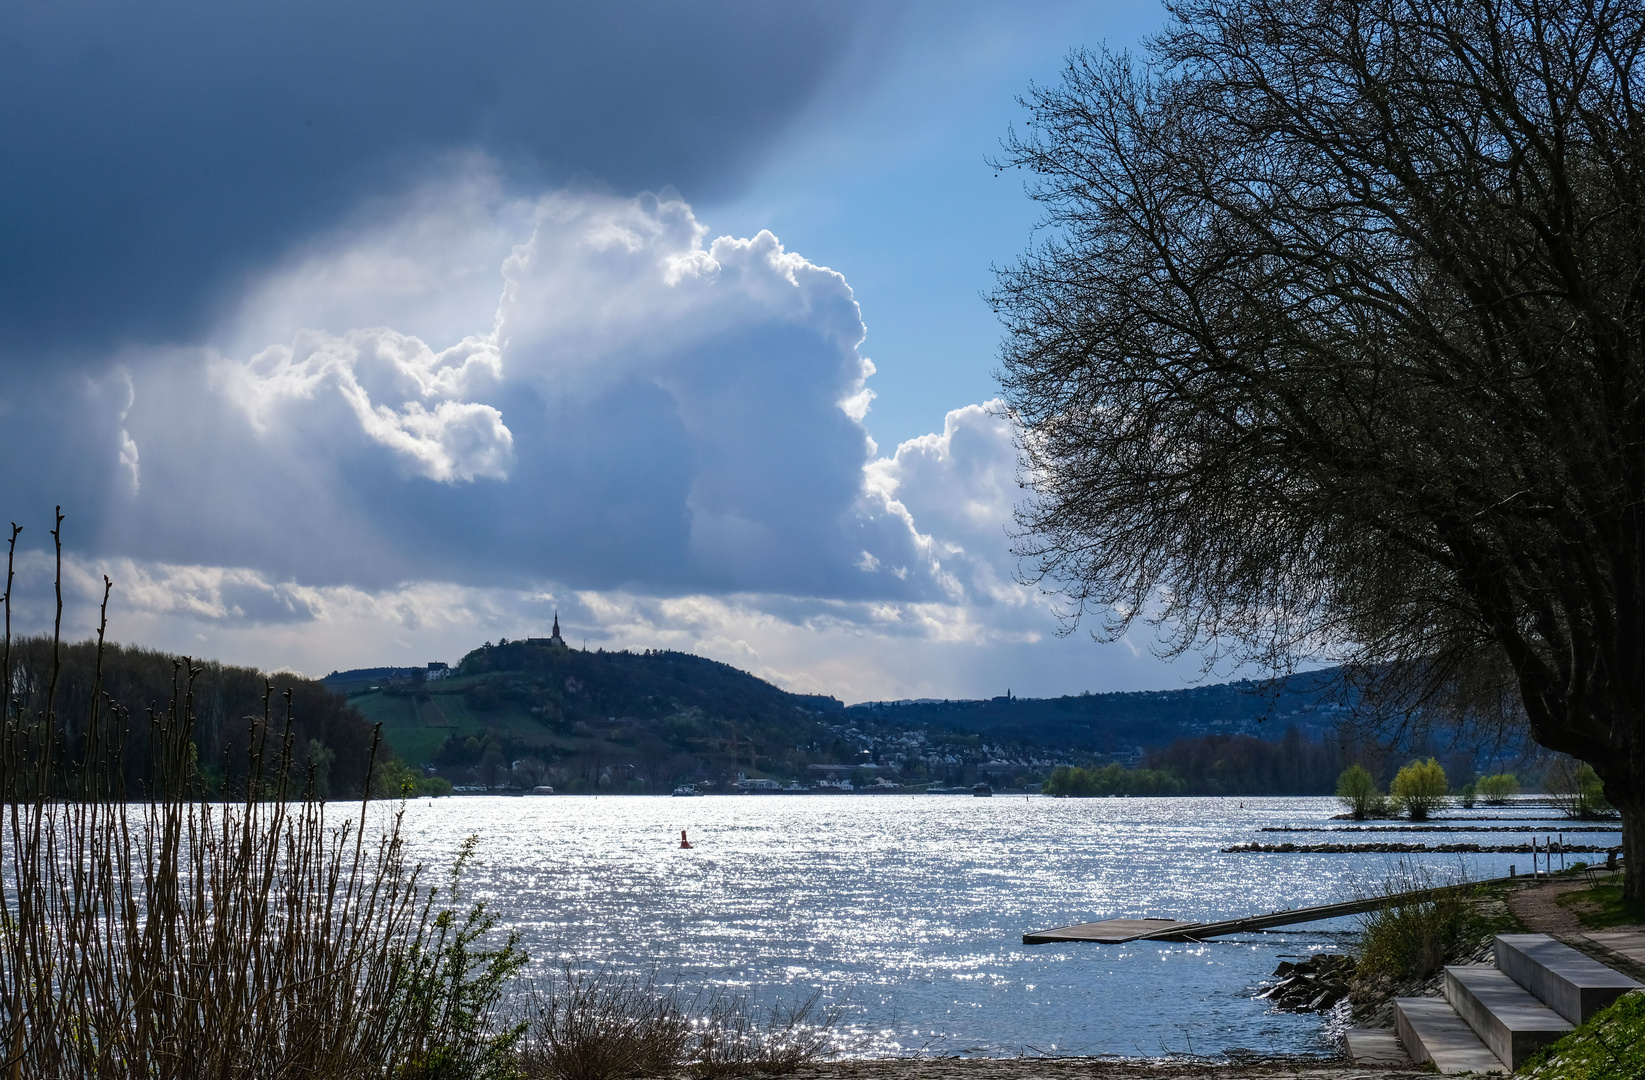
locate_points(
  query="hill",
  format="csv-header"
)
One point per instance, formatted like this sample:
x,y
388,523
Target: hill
x,y
528,712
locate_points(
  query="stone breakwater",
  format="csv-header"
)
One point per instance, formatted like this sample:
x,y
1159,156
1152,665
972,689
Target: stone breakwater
x,y
1538,829
1418,849
1315,985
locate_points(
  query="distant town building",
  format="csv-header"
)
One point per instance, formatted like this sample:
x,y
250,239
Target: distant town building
x,y
438,669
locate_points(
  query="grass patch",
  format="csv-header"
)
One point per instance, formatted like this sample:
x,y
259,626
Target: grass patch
x,y
1603,905
1610,1046
417,729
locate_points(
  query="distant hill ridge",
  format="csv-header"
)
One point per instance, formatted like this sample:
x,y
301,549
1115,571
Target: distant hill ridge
x,y
559,688
1121,719
1077,721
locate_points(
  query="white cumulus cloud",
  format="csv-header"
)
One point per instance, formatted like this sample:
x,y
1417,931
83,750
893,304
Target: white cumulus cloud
x,y
404,395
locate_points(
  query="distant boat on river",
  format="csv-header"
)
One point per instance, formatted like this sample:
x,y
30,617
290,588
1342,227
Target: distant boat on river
x,y
683,791
982,791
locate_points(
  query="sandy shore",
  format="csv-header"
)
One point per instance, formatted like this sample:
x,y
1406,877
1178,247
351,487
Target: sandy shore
x,y
1101,1069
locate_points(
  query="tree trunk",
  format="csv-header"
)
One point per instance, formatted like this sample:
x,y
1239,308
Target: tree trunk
x,y
1633,849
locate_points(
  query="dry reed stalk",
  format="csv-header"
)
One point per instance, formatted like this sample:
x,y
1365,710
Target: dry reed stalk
x,y
602,1026
174,939
735,1037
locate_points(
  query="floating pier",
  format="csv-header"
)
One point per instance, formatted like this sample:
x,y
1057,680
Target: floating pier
x,y
1121,931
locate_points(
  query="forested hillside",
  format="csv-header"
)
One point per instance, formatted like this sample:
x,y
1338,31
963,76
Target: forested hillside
x,y
326,732
520,713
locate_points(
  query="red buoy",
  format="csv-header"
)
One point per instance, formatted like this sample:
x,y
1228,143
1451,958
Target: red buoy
x,y
683,841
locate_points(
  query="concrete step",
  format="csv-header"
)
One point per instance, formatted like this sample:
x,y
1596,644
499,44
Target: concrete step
x,y
1375,1046
1505,1016
1573,985
1431,1031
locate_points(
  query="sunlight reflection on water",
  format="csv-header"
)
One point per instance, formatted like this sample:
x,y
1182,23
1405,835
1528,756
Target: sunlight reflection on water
x,y
911,909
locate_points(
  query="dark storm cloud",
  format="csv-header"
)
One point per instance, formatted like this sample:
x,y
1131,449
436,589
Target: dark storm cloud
x,y
155,154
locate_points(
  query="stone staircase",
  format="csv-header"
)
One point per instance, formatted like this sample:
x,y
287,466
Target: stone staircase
x,y
1493,1018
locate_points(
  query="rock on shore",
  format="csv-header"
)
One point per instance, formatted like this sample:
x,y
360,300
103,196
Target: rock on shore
x,y
1315,985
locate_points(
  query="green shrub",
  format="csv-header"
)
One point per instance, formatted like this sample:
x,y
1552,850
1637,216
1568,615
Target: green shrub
x,y
454,990
1496,790
1413,937
1419,789
1610,1046
1357,791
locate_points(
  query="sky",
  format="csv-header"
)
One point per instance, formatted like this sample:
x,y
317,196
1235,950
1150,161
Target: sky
x,y
358,335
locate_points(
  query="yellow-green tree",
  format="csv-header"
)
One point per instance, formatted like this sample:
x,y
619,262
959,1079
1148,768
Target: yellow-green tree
x,y
1419,789
1357,791
1497,789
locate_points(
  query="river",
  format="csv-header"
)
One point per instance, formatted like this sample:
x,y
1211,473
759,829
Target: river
x,y
908,911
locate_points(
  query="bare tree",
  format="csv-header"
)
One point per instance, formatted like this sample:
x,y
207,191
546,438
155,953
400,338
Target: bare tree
x,y
1331,348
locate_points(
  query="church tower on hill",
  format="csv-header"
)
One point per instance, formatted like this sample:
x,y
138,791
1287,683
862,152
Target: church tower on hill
x,y
554,640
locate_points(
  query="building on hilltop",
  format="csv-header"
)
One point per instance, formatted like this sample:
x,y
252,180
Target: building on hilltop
x,y
553,640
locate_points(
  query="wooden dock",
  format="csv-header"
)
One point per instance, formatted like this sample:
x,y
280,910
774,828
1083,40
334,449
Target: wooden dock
x,y
1121,931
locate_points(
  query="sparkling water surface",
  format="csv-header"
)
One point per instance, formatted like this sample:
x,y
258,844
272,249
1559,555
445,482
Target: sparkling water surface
x,y
910,910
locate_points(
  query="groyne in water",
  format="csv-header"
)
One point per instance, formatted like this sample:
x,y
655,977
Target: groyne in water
x,y
1416,849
